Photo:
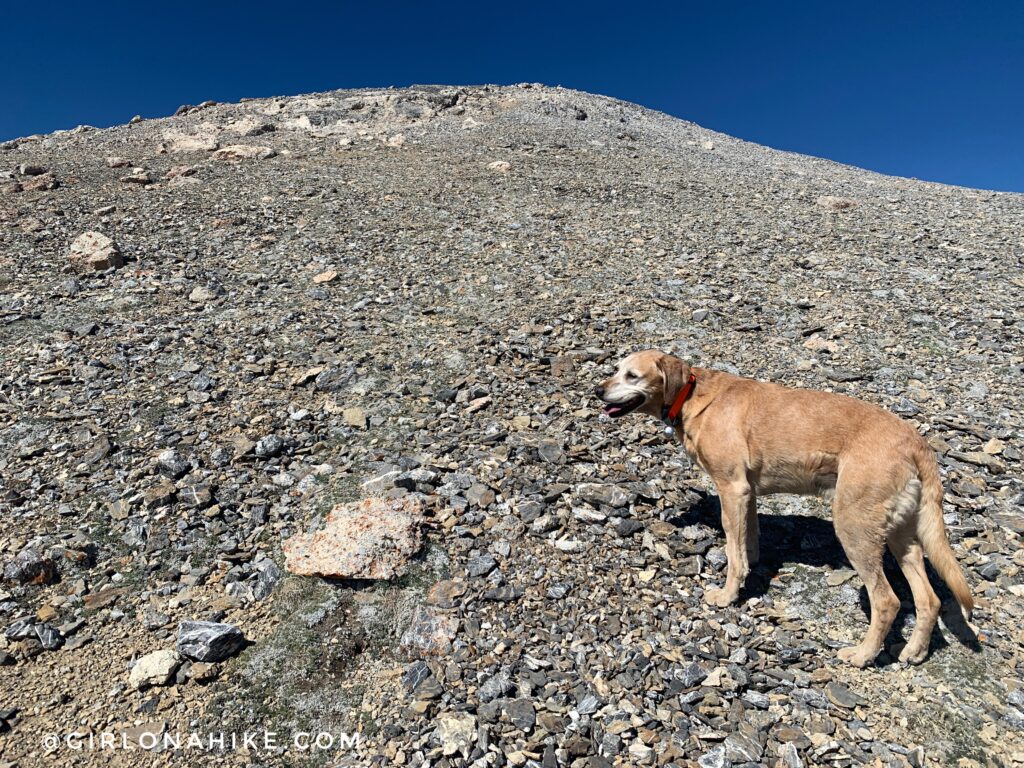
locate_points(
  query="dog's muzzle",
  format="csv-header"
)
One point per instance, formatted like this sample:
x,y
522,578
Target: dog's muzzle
x,y
617,410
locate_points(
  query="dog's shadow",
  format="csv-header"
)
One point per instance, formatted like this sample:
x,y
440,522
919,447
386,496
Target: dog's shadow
x,y
809,540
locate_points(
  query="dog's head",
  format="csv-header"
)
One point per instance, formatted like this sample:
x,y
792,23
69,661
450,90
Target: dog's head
x,y
644,382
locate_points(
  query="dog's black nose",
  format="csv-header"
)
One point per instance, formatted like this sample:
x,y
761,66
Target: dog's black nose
x,y
599,391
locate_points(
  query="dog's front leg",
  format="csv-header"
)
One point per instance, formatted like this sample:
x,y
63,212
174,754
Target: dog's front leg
x,y
753,533
738,506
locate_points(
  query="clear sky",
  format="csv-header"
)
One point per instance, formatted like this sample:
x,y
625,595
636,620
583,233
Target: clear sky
x,y
933,90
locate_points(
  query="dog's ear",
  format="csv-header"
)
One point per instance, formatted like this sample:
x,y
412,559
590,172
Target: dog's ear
x,y
674,373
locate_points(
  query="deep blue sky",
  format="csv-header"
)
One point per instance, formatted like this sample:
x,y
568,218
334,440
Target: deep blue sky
x,y
933,90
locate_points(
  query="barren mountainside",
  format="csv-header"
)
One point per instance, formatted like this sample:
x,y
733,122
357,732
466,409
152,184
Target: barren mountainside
x,y
216,326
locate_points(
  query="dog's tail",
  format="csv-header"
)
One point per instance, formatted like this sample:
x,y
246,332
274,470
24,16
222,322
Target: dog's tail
x,y
931,531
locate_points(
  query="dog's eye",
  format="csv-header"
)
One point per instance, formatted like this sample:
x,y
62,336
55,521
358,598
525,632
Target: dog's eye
x,y
632,375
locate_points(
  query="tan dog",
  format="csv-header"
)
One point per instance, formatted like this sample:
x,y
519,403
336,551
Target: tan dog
x,y
754,438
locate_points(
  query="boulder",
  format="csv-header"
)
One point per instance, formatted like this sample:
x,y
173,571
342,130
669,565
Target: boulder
x,y
94,252
369,539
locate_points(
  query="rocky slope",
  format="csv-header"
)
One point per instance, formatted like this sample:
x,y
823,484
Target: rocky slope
x,y
288,297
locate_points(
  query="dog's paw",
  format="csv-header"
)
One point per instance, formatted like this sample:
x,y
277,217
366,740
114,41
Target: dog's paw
x,y
912,655
858,656
719,597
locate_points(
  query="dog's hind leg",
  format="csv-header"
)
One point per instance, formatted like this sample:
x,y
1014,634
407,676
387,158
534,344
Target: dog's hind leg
x,y
738,506
908,553
865,553
861,522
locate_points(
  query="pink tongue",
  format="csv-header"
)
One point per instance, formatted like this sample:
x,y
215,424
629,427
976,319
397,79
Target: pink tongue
x,y
610,409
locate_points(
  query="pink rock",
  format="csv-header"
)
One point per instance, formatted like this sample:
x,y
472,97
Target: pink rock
x,y
369,539
94,251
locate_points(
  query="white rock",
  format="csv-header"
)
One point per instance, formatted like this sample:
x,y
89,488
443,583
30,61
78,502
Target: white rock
x,y
456,733
244,152
195,143
381,483
154,668
588,515
202,294
569,545
640,752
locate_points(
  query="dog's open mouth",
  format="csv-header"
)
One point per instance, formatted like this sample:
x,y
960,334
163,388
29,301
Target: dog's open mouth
x,y
615,410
